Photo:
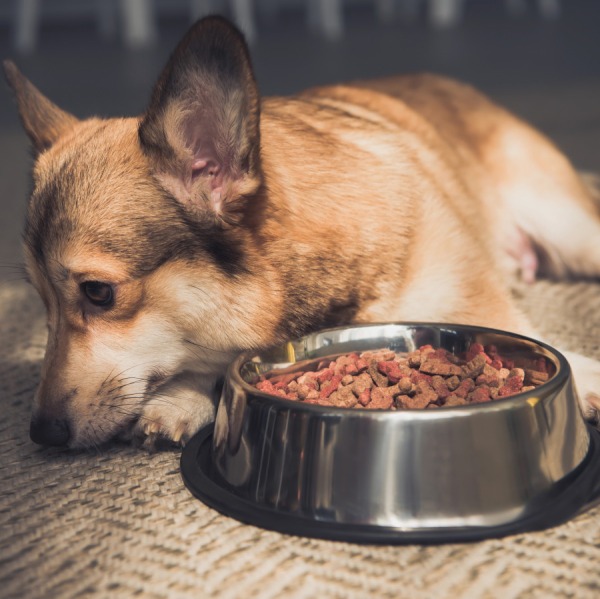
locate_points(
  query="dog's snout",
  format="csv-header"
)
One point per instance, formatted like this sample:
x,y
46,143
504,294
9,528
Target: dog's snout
x,y
49,431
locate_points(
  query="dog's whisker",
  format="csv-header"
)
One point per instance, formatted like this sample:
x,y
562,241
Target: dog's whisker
x,y
123,383
20,266
135,399
107,378
121,399
118,387
206,347
96,436
20,272
164,399
141,417
172,405
12,279
129,413
119,376
111,420
117,400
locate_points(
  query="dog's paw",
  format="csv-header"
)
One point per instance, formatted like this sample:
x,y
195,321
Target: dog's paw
x,y
175,413
591,408
587,382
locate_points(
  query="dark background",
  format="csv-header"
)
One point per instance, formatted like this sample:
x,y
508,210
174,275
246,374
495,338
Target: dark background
x,y
547,71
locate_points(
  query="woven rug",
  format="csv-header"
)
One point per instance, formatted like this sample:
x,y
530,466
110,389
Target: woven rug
x,y
121,524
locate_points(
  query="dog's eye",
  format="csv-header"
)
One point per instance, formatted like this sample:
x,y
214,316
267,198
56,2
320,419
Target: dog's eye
x,y
100,294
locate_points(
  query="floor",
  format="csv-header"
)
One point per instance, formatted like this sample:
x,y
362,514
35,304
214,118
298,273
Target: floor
x,y
547,72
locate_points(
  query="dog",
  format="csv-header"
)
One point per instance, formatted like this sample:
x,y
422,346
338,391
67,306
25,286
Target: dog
x,y
219,222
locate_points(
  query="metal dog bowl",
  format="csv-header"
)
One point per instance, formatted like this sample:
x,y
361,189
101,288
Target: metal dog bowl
x,y
462,473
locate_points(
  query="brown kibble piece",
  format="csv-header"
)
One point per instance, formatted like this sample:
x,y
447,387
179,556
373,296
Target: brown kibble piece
x,y
330,386
361,365
303,391
365,397
379,379
455,400
361,382
405,385
503,373
425,393
517,372
440,387
437,366
513,384
479,395
324,375
490,377
402,401
391,369
535,377
417,402
465,387
347,379
414,359
309,380
474,367
345,398
380,400
453,382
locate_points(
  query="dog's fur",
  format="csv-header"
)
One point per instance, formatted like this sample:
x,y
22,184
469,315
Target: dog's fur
x,y
224,222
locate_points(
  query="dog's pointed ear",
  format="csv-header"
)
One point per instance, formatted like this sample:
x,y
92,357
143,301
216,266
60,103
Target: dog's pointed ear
x,y
201,130
43,121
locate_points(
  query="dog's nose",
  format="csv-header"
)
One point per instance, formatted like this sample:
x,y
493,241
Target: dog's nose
x,y
49,431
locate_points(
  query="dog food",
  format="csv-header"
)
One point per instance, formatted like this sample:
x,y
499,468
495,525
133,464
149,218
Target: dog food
x,y
425,378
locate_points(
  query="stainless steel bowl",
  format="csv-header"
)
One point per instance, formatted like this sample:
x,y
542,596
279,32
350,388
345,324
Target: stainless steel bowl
x,y
464,472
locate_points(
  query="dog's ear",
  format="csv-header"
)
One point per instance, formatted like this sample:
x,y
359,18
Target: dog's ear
x,y
201,130
43,121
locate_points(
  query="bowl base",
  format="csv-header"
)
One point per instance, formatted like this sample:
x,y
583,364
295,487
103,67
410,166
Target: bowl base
x,y
570,496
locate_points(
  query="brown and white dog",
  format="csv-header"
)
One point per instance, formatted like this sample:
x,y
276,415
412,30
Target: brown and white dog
x,y
220,222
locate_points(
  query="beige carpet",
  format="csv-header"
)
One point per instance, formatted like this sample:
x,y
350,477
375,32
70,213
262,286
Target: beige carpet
x,y
121,523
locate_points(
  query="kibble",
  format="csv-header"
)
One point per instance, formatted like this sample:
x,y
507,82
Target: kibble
x,y
426,378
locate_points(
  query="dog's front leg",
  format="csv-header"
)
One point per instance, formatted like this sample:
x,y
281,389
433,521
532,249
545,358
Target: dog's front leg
x,y
177,409
586,372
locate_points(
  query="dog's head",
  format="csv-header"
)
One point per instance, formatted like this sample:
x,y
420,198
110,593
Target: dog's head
x,y
138,239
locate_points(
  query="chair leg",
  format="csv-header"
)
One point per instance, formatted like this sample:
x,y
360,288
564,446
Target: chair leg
x,y
445,13
138,21
26,25
409,9
385,9
105,14
325,16
549,9
200,8
243,15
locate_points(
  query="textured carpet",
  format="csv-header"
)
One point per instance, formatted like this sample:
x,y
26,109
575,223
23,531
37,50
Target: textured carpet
x,y
121,524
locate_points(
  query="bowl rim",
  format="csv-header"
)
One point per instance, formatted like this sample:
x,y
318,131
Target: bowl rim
x,y
557,381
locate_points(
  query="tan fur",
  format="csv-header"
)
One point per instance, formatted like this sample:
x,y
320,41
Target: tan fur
x,y
397,199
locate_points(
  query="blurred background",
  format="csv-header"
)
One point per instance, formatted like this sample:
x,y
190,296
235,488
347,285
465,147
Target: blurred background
x,y
540,58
